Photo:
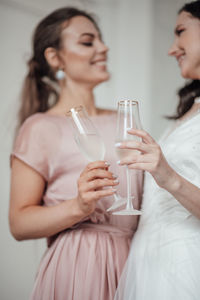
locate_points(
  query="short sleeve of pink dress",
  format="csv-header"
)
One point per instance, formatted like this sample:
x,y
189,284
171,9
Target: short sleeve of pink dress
x,y
85,261
35,144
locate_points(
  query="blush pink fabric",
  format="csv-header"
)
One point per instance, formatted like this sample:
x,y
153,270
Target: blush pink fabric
x,y
85,261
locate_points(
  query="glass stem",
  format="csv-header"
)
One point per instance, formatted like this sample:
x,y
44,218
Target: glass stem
x,y
129,205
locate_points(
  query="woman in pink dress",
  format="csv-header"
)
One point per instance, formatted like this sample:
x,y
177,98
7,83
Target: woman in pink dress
x,y
55,193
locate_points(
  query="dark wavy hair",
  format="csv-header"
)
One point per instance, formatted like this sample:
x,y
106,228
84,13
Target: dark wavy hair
x,y
36,91
191,89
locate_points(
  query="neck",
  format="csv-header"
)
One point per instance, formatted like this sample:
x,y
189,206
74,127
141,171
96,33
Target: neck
x,y
195,109
74,95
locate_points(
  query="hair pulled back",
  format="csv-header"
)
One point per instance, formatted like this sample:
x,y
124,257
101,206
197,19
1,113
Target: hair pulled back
x,y
36,91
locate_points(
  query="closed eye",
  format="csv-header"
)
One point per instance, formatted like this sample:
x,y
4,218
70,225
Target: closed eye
x,y
88,44
179,31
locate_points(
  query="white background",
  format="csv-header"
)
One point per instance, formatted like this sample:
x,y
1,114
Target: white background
x,y
138,34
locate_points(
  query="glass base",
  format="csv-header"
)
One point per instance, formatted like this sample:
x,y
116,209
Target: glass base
x,y
126,212
116,204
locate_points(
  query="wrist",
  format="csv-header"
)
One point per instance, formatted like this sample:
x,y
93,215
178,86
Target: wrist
x,y
77,210
72,211
84,209
173,184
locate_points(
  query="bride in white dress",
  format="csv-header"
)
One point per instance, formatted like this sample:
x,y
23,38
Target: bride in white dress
x,y
164,260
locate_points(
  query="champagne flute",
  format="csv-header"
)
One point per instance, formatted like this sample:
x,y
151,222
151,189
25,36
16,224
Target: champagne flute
x,y
89,141
127,118
85,134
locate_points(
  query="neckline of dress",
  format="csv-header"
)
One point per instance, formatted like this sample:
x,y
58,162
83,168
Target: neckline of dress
x,y
196,112
179,123
91,117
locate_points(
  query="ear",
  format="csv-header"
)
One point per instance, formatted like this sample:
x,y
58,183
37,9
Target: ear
x,y
52,57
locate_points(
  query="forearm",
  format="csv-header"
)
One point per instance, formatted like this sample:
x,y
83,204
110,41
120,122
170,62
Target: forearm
x,y
185,192
153,161
39,221
29,220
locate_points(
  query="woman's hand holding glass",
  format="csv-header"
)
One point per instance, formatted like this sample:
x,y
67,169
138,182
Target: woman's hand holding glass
x,y
150,158
91,182
92,147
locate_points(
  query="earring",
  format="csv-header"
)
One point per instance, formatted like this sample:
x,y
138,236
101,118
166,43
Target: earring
x,y
60,74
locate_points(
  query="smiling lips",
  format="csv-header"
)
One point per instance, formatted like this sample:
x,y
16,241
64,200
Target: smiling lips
x,y
100,62
180,58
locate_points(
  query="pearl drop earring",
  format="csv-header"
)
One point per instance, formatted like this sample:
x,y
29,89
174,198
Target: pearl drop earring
x,y
60,74
197,100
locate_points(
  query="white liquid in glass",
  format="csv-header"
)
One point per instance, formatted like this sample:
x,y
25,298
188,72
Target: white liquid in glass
x,y
122,153
92,146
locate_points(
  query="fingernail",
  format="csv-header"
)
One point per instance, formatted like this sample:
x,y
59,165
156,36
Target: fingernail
x,y
114,176
118,162
114,190
116,181
118,144
107,164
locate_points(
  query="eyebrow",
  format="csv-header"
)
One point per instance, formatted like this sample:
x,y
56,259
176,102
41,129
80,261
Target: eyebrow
x,y
92,35
88,33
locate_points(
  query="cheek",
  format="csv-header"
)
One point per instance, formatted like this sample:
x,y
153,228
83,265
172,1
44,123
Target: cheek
x,y
78,65
191,68
193,43
79,54
195,54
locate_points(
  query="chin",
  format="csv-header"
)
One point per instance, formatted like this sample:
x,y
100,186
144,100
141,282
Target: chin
x,y
103,78
185,74
188,73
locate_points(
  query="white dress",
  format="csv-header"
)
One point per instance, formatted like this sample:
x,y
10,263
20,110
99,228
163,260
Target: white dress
x,y
164,259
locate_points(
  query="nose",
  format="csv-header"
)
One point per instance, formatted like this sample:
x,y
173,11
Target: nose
x,y
173,49
102,47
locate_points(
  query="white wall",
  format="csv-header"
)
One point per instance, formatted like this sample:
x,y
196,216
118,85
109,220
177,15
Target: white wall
x,y
128,31
138,34
17,260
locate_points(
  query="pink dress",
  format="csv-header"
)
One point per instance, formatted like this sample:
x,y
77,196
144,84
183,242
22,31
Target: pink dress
x,y
85,261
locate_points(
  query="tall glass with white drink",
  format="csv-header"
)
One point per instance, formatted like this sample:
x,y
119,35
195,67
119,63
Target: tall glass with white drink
x,y
128,117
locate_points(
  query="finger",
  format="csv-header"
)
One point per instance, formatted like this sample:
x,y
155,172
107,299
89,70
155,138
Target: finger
x,y
135,145
97,165
143,134
97,184
97,173
141,166
94,165
132,159
101,183
96,195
